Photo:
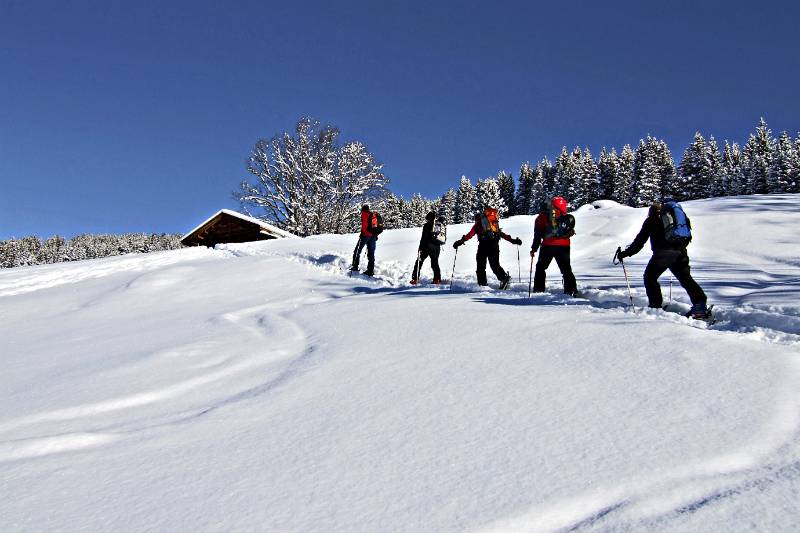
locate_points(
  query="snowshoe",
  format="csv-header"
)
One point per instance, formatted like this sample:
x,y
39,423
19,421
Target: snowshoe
x,y
505,284
702,313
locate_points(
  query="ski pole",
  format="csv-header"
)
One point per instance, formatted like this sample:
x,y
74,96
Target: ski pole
x,y
530,278
625,271
519,268
454,269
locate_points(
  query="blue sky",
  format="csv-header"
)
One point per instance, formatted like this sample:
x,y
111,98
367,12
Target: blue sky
x,y
139,116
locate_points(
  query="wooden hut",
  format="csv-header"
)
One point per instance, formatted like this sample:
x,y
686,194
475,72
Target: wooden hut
x,y
226,226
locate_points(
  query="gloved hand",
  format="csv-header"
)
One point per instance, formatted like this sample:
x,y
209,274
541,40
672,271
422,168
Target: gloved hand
x,y
517,241
533,252
621,254
458,243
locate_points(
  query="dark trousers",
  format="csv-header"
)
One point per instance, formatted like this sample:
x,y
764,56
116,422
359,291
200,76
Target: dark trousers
x,y
490,250
370,243
423,255
546,256
677,261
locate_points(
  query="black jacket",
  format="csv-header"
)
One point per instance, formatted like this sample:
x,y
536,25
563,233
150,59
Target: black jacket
x,y
428,241
654,230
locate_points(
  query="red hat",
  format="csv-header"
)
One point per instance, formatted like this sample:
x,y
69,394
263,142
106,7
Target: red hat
x,y
559,203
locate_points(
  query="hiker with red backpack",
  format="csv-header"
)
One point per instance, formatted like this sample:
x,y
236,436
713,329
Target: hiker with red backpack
x,y
487,228
371,227
669,231
551,231
434,235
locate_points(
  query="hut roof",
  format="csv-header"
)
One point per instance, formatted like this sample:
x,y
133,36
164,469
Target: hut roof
x,y
259,227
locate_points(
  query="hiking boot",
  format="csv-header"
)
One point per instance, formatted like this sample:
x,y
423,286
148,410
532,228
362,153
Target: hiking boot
x,y
436,282
369,273
413,282
698,310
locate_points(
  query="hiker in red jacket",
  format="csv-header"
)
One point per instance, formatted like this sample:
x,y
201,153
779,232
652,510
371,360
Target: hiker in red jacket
x,y
487,228
368,238
552,230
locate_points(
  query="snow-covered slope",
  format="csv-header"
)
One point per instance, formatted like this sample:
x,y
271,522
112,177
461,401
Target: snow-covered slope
x,y
258,387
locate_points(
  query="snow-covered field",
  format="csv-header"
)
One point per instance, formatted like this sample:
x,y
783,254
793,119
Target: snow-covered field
x,y
258,387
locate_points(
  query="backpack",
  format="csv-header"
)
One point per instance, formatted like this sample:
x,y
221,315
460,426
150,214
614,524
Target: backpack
x,y
439,232
677,227
490,222
375,223
559,226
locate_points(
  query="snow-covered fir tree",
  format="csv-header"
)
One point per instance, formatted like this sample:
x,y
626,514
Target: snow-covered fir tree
x,y
607,170
783,172
646,174
524,198
505,183
666,165
694,179
623,186
717,184
465,201
590,176
392,209
416,209
757,159
569,173
447,206
487,194
732,175
544,184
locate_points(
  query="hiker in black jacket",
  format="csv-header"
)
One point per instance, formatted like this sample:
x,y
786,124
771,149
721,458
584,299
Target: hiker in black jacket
x,y
429,246
665,256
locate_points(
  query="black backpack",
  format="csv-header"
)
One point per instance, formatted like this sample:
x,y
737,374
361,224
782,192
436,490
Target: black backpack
x,y
375,223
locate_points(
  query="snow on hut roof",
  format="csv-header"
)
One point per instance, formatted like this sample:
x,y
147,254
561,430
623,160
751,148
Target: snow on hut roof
x,y
266,228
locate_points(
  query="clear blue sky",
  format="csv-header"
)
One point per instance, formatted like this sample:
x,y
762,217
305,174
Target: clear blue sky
x,y
139,116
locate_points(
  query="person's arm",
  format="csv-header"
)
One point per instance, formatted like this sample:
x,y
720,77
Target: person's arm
x,y
466,237
510,239
538,234
639,242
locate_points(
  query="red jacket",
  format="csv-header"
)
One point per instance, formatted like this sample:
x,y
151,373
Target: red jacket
x,y
539,227
365,223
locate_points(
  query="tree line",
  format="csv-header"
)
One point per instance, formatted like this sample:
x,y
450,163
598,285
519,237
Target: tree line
x,y
31,250
633,176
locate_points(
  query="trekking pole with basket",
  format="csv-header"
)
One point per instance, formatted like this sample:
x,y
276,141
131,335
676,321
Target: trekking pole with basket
x,y
618,261
530,278
454,269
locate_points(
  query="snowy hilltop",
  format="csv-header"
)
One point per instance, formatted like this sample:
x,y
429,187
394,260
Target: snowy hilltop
x,y
258,387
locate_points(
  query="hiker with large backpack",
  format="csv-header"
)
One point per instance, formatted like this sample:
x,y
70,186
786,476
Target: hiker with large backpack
x,y
434,235
487,228
669,231
551,232
371,227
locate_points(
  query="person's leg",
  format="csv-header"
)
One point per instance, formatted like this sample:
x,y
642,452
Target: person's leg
x,y
657,265
371,243
682,272
494,262
480,260
437,274
545,257
357,253
563,262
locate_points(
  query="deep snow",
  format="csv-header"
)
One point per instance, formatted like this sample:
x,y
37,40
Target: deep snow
x,y
258,387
